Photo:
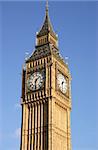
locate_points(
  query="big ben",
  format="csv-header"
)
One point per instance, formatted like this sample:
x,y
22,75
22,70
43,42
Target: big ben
x,y
46,95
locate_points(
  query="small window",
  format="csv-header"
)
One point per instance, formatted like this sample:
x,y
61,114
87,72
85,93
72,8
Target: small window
x,y
38,62
44,60
47,59
41,61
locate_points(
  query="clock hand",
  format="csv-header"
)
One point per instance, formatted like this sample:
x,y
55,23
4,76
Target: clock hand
x,y
62,84
36,80
38,77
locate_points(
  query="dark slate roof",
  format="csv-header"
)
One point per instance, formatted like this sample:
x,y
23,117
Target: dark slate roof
x,y
43,51
46,27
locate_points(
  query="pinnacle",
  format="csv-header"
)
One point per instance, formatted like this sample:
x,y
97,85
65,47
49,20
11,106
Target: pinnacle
x,y
47,26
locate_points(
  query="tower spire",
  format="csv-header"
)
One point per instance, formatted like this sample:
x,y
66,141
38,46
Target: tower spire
x,y
46,5
46,32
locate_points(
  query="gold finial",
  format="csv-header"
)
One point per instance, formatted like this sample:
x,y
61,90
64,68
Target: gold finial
x,y
46,5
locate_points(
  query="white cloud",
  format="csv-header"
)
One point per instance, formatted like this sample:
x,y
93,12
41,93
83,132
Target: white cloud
x,y
17,133
17,106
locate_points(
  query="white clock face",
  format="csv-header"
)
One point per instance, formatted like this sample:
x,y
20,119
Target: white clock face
x,y
62,83
35,81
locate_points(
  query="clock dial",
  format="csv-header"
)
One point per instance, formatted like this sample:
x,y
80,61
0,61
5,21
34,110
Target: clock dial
x,y
62,83
35,81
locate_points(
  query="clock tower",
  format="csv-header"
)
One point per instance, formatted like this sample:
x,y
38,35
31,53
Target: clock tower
x,y
46,95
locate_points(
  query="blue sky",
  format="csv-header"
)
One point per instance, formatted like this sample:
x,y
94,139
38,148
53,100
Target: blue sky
x,y
77,26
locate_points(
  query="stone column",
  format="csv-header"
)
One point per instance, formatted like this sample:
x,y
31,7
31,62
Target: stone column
x,y
41,126
50,124
32,127
29,127
35,126
22,127
68,130
25,127
38,126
